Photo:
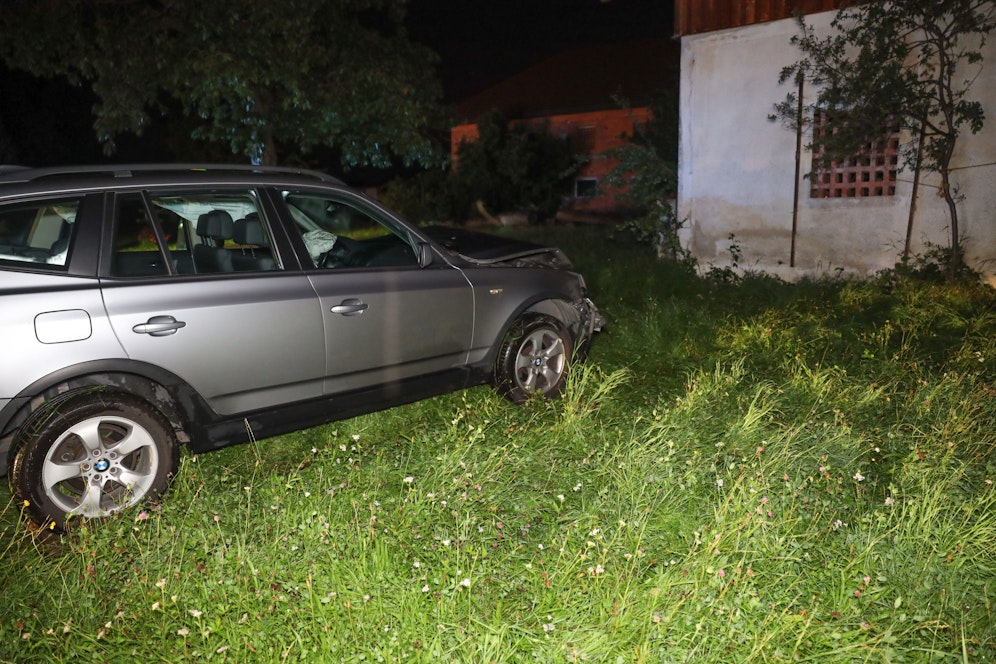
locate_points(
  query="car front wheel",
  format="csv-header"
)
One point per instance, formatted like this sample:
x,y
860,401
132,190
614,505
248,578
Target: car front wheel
x,y
90,453
533,358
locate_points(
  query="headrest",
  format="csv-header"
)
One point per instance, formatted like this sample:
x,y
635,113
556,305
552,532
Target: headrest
x,y
215,224
250,231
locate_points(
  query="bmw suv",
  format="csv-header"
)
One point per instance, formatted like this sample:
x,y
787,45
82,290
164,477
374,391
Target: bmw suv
x,y
148,307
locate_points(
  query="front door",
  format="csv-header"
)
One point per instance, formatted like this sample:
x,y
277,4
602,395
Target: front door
x,y
386,318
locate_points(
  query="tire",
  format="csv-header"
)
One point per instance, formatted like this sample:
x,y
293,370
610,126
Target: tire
x,y
533,358
89,453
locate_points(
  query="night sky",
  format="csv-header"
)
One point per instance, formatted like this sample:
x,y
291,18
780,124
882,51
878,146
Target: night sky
x,y
48,122
480,43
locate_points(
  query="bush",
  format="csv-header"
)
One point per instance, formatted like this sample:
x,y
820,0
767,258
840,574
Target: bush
x,y
424,197
512,168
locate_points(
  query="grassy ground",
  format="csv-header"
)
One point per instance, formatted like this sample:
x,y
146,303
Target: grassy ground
x,y
744,471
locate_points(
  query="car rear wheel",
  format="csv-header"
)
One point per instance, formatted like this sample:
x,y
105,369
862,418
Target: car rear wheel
x,y
533,358
90,453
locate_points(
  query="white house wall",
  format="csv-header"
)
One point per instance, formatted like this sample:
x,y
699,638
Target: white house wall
x,y
736,170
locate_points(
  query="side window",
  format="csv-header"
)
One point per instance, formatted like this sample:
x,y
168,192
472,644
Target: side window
x,y
39,232
197,232
340,234
138,251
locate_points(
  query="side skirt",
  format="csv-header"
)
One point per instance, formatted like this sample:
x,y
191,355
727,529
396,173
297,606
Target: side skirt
x,y
304,415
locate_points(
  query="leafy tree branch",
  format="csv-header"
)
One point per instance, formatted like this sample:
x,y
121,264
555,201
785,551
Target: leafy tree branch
x,y
256,74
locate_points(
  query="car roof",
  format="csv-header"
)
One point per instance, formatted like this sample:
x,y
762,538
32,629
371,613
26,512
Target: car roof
x,y
21,180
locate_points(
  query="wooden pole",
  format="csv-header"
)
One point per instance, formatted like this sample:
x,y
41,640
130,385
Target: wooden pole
x,y
798,168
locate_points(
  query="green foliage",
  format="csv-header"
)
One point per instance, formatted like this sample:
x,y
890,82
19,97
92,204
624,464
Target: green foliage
x,y
423,197
255,76
903,63
512,168
748,471
647,177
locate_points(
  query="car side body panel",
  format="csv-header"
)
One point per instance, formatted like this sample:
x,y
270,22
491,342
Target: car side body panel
x,y
52,321
246,342
383,326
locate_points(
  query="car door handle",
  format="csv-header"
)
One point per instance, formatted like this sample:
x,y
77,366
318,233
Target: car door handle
x,y
159,326
350,307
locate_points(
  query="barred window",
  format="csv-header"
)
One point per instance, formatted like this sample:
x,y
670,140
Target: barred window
x,y
872,172
585,188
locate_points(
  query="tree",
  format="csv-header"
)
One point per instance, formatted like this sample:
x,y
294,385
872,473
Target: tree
x,y
647,175
909,64
513,167
255,74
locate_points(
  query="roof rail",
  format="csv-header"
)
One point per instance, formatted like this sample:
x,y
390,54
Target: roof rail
x,y
12,168
22,174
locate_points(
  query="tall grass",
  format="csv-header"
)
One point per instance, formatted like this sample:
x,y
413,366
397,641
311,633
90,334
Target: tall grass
x,y
747,471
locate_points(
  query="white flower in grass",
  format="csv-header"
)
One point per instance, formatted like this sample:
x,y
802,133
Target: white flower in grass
x,y
465,583
425,588
409,479
195,613
183,631
858,476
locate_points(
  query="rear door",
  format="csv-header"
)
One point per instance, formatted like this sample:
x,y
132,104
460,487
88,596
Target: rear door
x,y
194,282
386,318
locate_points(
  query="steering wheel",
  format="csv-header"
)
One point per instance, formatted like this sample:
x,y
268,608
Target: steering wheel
x,y
340,253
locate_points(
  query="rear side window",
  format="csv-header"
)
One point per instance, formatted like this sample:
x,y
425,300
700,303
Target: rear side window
x,y
39,233
198,232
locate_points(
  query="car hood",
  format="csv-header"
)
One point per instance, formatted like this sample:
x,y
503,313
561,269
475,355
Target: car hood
x,y
485,248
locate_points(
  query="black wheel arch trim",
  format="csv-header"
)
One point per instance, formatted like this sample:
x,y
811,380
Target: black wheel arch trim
x,y
182,406
566,313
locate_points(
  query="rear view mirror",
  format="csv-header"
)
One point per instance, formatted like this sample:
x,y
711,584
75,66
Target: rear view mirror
x,y
424,254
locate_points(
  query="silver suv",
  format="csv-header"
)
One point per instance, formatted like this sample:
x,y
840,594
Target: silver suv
x,y
146,307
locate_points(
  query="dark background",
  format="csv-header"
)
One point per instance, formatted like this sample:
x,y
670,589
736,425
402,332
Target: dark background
x,y
482,42
46,122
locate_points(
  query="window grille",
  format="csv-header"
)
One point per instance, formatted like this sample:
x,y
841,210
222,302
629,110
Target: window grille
x,y
872,172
